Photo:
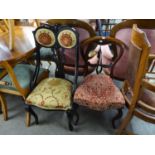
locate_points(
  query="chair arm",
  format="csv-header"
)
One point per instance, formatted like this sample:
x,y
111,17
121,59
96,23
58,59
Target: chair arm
x,y
21,58
12,75
146,84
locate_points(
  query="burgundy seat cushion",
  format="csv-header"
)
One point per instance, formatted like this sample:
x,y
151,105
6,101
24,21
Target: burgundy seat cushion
x,y
98,92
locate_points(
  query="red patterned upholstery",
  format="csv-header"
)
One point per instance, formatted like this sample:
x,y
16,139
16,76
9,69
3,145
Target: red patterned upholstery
x,y
98,92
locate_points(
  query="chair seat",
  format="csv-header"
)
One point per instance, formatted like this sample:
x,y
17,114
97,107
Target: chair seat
x,y
51,93
98,92
24,73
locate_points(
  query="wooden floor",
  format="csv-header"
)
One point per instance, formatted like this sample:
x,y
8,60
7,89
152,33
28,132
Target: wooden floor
x,y
24,42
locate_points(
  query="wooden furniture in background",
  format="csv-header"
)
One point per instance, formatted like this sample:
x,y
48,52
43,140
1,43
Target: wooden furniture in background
x,y
138,91
85,31
23,43
122,31
7,26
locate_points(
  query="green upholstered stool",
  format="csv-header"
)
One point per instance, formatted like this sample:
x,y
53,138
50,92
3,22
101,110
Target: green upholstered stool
x,y
24,73
51,94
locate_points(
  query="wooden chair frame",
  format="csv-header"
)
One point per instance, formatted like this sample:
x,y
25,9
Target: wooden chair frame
x,y
103,41
142,24
134,104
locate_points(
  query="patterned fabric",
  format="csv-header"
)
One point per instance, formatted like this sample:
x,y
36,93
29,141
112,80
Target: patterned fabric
x,y
67,38
51,93
45,37
98,92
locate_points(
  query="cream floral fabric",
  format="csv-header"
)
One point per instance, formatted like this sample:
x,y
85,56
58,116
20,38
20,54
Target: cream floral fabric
x,y
51,93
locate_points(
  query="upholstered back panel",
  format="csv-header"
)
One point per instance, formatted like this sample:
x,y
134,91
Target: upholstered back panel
x,y
70,53
120,70
133,63
121,66
151,37
84,30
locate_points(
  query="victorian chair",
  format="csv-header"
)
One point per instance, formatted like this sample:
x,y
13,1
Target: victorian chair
x,y
55,93
122,31
97,91
138,91
15,78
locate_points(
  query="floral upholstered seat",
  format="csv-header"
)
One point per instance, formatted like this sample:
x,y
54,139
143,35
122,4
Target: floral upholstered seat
x,y
51,93
98,92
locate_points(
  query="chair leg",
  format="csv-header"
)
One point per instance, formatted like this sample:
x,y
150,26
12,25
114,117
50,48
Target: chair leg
x,y
75,113
30,111
125,122
70,118
4,107
28,118
118,116
34,115
77,117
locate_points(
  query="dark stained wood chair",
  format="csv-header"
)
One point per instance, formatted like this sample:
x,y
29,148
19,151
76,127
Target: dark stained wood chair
x,y
97,91
138,90
55,93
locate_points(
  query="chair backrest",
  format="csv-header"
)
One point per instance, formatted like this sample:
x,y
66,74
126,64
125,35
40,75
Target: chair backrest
x,y
84,30
139,49
122,31
59,38
99,41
